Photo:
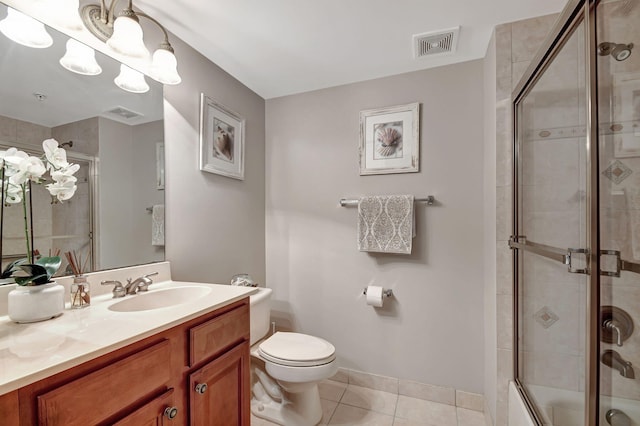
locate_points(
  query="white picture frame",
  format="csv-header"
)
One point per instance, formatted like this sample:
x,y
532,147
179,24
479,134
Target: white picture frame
x,y
221,139
390,140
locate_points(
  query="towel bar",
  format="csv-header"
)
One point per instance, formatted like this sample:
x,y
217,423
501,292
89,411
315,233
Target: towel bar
x,y
346,202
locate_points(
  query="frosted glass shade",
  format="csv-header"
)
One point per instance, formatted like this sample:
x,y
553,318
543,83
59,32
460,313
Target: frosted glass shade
x,y
25,30
65,14
164,67
127,38
80,59
131,80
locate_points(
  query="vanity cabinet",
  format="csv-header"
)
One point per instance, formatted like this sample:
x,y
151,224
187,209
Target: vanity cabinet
x,y
153,381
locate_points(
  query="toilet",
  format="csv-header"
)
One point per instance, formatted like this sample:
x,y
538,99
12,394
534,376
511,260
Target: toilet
x,y
286,369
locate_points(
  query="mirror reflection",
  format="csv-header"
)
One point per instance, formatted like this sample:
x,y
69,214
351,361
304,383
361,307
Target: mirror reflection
x,y
116,217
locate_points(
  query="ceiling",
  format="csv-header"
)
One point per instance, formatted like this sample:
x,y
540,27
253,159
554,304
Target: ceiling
x,y
281,47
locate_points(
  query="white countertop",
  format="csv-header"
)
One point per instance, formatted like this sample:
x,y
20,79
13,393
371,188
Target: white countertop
x,y
31,352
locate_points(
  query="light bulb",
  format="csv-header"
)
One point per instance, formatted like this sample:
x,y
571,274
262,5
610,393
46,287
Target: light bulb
x,y
127,38
80,59
131,80
25,30
164,67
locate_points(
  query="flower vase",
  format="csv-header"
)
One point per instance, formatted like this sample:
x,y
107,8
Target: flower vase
x,y
36,302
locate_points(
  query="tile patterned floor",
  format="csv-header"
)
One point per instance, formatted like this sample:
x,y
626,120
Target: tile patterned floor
x,y
350,405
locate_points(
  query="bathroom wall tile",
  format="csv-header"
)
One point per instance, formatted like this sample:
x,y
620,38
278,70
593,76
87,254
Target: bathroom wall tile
x,y
503,213
504,268
470,417
504,142
553,369
504,319
30,133
431,413
502,413
505,373
517,71
373,381
370,399
328,408
433,393
503,61
8,129
331,390
347,415
527,36
341,376
470,401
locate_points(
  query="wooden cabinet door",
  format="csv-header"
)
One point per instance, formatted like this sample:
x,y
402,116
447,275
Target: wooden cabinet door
x,y
153,413
219,391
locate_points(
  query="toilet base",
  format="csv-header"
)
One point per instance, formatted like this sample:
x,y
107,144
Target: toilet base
x,y
295,409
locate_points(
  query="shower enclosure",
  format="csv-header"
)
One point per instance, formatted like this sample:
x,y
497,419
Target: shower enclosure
x,y
576,223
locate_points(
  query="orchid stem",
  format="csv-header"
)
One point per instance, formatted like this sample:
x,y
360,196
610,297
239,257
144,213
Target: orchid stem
x,y
26,226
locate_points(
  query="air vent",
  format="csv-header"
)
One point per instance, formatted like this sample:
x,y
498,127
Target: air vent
x,y
435,43
124,113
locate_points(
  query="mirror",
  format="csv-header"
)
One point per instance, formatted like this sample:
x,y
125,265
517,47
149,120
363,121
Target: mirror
x,y
115,136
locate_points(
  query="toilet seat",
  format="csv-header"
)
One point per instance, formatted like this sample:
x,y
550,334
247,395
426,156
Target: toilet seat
x,y
297,350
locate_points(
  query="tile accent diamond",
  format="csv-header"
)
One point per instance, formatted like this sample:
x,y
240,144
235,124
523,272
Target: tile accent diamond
x,y
546,317
617,172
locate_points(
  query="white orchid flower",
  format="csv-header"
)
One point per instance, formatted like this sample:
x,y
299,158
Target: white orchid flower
x,y
56,156
30,168
13,159
66,173
62,191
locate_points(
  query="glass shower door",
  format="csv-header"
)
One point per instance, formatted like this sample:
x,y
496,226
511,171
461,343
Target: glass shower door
x,y
618,67
551,223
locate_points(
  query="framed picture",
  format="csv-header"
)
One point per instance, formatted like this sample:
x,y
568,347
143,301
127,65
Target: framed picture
x,y
390,140
221,139
626,115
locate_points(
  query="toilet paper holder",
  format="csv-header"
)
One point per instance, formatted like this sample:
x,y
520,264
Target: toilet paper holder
x,y
385,292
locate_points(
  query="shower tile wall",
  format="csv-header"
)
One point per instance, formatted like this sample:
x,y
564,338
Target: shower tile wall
x,y
619,185
516,45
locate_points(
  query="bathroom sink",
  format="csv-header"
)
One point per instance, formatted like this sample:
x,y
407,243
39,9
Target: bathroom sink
x,y
160,298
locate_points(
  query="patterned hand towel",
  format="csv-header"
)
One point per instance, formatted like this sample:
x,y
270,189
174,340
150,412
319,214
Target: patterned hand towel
x,y
385,223
157,225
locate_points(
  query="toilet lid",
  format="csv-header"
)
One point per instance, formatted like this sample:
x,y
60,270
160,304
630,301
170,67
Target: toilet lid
x,y
295,349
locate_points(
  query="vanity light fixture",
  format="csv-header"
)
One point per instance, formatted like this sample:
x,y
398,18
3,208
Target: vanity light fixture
x,y
25,30
65,14
80,58
124,35
131,80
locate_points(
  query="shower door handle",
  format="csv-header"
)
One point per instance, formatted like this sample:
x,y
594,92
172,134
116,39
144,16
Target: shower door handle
x,y
620,264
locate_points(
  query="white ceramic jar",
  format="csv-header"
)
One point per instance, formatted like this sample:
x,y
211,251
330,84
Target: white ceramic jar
x,y
35,303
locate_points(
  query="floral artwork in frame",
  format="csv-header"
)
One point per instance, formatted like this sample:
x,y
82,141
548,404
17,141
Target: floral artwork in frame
x,y
390,140
221,139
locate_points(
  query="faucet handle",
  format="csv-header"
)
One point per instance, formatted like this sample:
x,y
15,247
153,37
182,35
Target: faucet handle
x,y
118,290
146,281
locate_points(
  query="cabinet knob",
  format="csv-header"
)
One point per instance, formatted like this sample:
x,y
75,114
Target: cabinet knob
x,y
171,412
201,388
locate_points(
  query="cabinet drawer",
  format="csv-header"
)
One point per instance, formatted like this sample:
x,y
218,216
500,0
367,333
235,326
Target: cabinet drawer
x,y
218,334
153,413
94,398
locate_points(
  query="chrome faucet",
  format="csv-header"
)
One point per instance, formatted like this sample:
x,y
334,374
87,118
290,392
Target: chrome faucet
x,y
614,360
139,284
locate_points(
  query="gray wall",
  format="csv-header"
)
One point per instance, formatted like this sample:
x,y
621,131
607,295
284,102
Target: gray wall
x,y
215,225
432,331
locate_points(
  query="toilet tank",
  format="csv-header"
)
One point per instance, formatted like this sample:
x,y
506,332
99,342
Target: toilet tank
x,y
260,313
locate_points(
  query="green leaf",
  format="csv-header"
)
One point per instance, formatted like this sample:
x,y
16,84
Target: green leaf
x,y
12,267
51,264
